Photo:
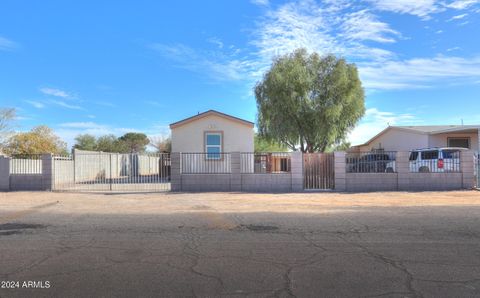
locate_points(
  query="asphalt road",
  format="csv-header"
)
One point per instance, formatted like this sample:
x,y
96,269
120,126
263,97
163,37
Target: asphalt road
x,y
219,246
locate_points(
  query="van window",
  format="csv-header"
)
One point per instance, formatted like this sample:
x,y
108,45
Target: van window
x,y
413,156
429,155
450,153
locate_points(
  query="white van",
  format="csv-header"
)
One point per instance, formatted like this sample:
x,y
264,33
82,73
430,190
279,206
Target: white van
x,y
436,160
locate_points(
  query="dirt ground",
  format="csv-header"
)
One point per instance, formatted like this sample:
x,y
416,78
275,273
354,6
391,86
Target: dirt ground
x,y
394,244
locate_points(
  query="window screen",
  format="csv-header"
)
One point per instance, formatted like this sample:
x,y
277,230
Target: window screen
x,y
213,145
459,142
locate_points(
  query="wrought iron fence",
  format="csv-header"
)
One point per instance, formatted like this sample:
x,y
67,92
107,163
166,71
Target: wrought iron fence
x,y
99,171
371,162
26,164
435,161
205,163
265,163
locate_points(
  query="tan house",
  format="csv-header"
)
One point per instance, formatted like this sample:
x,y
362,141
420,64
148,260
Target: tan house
x,y
405,138
212,132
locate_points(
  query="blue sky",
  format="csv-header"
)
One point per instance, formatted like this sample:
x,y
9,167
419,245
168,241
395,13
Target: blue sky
x,y
117,66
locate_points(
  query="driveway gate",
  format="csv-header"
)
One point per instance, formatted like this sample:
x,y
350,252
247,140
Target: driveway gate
x,y
99,171
318,171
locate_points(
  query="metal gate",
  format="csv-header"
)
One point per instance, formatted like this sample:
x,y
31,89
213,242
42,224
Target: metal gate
x,y
318,171
477,168
99,171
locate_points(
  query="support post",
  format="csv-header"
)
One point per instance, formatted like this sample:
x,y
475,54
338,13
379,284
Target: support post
x,y
175,171
468,169
297,171
402,165
236,175
340,171
47,172
4,173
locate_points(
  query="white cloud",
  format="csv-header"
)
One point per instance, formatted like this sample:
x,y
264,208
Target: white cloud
x,y
375,121
55,92
363,25
67,105
217,65
458,17
462,4
69,130
260,2
453,49
419,72
345,28
7,44
36,104
216,41
154,103
420,8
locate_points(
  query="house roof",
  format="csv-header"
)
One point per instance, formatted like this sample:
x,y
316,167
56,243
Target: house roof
x,y
209,113
427,130
433,129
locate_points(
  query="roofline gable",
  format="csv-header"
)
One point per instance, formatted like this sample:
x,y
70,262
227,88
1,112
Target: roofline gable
x,y
389,128
209,113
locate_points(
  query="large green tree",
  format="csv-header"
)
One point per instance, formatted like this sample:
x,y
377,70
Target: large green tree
x,y
262,144
110,143
40,139
309,102
134,141
85,142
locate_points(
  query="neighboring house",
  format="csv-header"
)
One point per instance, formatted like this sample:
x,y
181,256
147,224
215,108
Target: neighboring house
x,y
212,132
405,138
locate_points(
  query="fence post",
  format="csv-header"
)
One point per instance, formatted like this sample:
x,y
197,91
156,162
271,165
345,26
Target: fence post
x,y
4,173
236,175
402,164
47,171
175,172
297,171
467,167
340,171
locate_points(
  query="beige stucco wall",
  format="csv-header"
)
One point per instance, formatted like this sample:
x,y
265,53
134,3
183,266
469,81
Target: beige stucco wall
x,y
398,140
237,137
440,140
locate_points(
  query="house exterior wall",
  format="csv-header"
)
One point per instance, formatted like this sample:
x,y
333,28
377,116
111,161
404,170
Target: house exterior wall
x,y
397,140
189,137
441,140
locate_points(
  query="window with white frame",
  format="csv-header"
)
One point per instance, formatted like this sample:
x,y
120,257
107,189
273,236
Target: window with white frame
x,y
213,145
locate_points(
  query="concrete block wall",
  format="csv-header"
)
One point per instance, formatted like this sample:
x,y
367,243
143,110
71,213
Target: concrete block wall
x,y
205,182
4,173
371,182
297,171
175,172
267,182
340,171
467,160
404,180
26,182
236,180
